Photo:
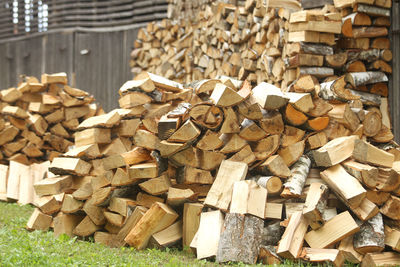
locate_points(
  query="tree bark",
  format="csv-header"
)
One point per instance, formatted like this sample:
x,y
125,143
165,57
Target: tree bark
x,y
371,237
240,239
294,185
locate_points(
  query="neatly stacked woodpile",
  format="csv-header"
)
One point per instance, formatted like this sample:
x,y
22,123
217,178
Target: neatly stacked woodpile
x,y
189,10
242,42
38,121
277,44
236,172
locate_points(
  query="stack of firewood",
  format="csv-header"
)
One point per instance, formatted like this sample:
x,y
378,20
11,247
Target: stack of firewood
x,y
235,172
38,121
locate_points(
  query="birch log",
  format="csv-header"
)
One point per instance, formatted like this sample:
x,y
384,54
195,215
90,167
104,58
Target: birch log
x,y
294,185
371,237
240,239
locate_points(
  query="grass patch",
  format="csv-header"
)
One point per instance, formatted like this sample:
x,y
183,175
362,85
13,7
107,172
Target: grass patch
x,y
18,247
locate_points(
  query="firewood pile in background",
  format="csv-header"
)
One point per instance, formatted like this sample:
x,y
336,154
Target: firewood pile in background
x,y
251,134
38,122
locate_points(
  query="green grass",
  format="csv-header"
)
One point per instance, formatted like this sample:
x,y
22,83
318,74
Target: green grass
x,y
18,247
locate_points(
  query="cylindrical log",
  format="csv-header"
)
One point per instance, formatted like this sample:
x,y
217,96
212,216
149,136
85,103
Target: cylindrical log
x,y
294,185
371,237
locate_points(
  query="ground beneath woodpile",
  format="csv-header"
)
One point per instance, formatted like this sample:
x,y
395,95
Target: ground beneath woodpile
x,y
18,247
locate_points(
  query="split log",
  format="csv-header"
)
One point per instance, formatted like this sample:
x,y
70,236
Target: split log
x,y
333,256
220,192
248,198
292,240
391,208
276,166
362,78
381,259
367,153
191,221
269,96
315,204
364,173
334,151
240,239
209,234
334,230
157,218
344,185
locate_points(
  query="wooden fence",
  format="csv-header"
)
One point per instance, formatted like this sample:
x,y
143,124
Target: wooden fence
x,y
23,17
95,60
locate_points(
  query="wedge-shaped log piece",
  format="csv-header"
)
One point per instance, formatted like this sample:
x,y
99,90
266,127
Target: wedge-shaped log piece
x,y
206,160
191,221
15,112
245,155
48,204
250,131
108,120
39,221
391,208
209,233
66,223
344,185
301,101
366,174
169,236
210,141
316,201
318,26
141,83
292,153
347,248
333,256
334,230
190,175
60,78
335,151
371,237
366,210
367,153
130,222
157,218
144,170
248,198
70,204
220,193
392,238
53,185
92,136
224,96
156,186
275,165
240,239
86,152
70,166
269,96
186,133
134,99
86,227
381,259
292,240
177,197
231,123
343,114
